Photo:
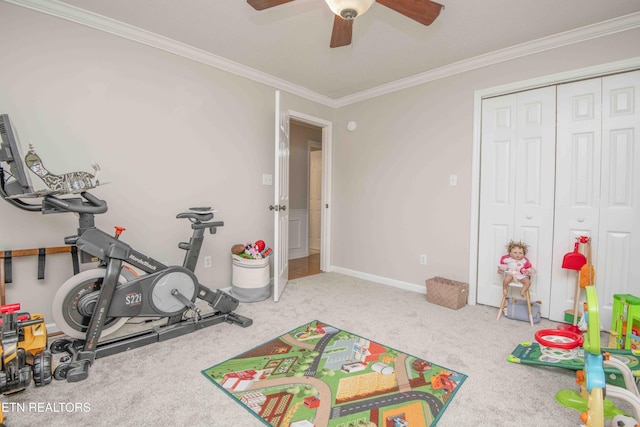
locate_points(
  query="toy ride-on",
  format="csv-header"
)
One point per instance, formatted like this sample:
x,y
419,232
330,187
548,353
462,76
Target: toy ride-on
x,y
24,350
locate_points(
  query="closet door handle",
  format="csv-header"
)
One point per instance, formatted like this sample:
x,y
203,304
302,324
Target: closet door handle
x,y
581,219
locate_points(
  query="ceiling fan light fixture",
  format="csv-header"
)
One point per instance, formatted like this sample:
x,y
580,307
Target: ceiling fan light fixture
x,y
349,9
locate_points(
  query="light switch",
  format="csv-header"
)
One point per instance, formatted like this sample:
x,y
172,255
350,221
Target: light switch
x,y
453,180
267,179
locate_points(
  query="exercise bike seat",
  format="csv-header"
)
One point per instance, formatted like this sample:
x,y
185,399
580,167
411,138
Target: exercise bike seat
x,y
196,216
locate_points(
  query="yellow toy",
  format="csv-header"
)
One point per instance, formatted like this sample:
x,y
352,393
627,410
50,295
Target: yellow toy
x,y
24,351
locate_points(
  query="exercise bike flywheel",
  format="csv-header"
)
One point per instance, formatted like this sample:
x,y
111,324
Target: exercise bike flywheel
x,y
74,302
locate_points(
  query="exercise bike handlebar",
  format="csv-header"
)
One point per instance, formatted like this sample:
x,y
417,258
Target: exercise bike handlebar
x,y
23,205
95,205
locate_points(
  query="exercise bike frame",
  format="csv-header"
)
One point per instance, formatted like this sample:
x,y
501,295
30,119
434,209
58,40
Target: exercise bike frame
x,y
113,254
133,299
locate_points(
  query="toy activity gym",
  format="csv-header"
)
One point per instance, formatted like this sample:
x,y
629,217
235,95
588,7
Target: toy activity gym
x,y
601,373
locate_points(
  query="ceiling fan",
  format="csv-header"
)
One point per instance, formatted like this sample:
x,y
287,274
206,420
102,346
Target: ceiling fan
x,y
422,11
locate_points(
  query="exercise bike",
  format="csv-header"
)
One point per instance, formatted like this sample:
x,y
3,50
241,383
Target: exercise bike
x,y
98,302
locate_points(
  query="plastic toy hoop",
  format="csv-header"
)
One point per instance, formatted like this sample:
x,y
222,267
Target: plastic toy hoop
x,y
558,338
555,355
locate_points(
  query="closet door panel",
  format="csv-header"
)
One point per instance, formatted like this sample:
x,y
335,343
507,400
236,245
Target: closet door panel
x,y
534,176
579,128
619,231
598,186
516,202
497,189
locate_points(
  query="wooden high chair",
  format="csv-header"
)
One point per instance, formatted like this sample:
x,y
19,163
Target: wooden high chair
x,y
504,300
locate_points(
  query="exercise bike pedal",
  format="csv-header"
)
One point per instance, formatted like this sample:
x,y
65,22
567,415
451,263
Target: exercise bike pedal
x,y
186,301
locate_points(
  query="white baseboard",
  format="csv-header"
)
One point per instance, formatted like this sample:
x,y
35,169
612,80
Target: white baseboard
x,y
52,328
421,289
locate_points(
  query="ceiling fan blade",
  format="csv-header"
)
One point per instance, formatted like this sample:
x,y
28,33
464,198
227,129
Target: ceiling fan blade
x,y
266,4
342,31
423,11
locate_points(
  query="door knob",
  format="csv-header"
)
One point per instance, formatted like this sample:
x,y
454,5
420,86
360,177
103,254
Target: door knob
x,y
274,208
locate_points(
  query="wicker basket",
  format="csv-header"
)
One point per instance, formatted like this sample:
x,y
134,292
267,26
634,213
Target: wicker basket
x,y
447,293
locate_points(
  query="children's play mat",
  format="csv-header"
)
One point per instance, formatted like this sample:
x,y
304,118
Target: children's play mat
x,y
320,375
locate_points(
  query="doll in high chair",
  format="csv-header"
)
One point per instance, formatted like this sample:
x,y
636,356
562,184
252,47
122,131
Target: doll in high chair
x,y
516,267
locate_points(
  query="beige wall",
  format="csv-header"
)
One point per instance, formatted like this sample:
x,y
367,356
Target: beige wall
x,y
169,133
392,200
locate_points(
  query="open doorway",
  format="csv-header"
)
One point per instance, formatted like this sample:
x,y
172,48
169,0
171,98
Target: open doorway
x,y
305,190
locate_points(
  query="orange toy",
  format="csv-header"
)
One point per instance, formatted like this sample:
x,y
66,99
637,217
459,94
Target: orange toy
x,y
587,272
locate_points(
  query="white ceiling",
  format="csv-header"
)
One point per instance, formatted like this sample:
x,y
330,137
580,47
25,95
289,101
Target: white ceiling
x,y
290,43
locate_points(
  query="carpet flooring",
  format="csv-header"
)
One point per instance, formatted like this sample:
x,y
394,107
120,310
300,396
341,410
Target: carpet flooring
x,y
162,383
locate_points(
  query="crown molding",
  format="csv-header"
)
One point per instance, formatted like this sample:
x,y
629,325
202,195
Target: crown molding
x,y
99,22
601,29
130,32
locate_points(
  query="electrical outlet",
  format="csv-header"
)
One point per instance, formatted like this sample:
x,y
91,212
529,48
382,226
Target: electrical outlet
x,y
267,179
423,259
207,262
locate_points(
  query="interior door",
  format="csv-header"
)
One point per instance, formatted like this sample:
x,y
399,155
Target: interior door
x,y
619,228
281,197
597,195
577,183
516,189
